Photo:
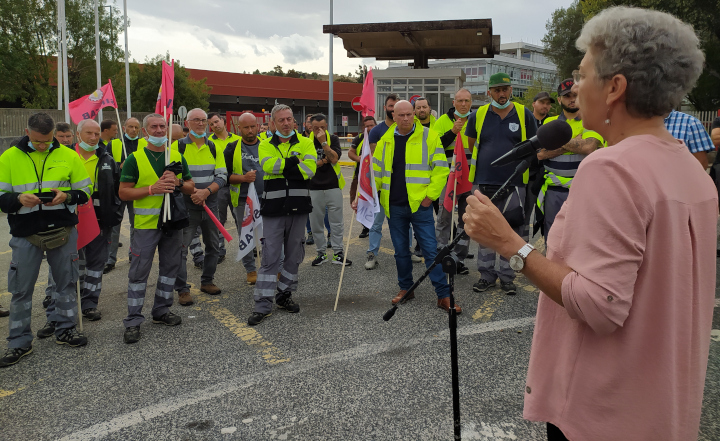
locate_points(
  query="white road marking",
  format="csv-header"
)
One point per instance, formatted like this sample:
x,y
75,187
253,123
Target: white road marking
x,y
228,430
173,404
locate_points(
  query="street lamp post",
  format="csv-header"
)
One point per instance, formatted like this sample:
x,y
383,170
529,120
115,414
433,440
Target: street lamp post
x,y
97,51
331,103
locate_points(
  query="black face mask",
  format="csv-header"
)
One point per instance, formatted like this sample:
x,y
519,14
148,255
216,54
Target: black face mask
x,y
569,109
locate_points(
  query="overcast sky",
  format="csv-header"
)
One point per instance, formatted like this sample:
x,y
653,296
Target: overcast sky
x,y
240,35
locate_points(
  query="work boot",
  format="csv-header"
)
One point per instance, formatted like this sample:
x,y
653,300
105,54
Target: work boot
x,y
482,285
46,302
4,312
288,304
109,267
47,330
185,299
72,338
308,241
92,314
132,334
372,262
252,277
13,355
400,295
462,269
168,319
211,289
257,317
445,304
364,233
221,259
508,288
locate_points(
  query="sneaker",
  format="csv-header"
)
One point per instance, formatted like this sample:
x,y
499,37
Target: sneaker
x,y
288,304
47,330
109,267
4,312
185,299
509,288
482,285
221,259
372,262
13,355
46,301
92,314
320,259
415,258
364,233
199,265
338,259
72,338
257,317
462,269
132,334
168,319
308,241
470,256
252,277
210,288
417,251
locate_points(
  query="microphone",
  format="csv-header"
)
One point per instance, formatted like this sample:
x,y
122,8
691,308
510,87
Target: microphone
x,y
550,136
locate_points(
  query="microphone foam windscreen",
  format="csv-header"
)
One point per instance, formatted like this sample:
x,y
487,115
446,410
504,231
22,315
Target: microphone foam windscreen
x,y
554,134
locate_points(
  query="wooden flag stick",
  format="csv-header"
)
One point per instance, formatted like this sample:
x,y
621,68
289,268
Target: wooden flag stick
x,y
347,246
122,135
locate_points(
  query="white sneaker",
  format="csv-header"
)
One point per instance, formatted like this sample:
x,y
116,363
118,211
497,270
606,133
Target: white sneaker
x,y
414,258
372,262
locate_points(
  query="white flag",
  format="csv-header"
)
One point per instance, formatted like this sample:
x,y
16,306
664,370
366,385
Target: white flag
x,y
367,202
251,227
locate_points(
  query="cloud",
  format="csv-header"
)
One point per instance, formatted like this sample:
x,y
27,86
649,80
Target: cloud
x,y
296,49
230,27
220,43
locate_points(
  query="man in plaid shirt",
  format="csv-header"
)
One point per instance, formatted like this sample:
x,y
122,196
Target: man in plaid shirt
x,y
689,129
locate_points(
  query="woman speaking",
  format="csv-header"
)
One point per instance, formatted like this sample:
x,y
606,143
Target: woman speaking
x,y
621,342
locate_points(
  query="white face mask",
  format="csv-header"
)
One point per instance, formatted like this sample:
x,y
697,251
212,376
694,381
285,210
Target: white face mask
x,y
157,141
87,147
501,106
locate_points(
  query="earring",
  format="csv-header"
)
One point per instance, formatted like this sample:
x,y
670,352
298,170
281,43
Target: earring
x,y
607,117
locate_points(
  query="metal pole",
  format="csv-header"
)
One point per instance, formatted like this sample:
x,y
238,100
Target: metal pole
x,y
330,78
127,63
59,58
97,51
66,84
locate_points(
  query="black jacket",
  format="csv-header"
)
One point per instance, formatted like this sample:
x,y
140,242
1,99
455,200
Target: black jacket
x,y
295,186
23,225
105,195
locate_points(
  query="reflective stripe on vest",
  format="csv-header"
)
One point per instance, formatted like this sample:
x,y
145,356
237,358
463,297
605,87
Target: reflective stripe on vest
x,y
147,209
479,120
551,180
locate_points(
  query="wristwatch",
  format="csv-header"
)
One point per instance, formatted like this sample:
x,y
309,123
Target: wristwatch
x,y
324,143
517,262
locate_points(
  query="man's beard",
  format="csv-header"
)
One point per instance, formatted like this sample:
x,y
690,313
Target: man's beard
x,y
569,109
389,114
423,116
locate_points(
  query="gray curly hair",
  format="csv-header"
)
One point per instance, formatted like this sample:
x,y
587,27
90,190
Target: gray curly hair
x,y
277,109
657,53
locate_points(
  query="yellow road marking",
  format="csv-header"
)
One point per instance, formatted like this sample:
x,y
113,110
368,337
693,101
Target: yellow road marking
x,y
7,393
488,308
267,351
6,252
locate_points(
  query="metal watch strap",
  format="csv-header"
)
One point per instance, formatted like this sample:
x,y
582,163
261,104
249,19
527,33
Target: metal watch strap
x,y
525,250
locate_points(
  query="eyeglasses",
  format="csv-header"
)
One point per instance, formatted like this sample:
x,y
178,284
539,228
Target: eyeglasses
x,y
199,121
577,76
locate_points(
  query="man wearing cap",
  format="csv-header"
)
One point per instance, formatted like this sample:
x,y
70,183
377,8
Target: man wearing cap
x,y
562,164
493,130
541,107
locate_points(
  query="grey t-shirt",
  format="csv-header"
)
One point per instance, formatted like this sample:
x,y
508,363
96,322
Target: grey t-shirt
x,y
250,161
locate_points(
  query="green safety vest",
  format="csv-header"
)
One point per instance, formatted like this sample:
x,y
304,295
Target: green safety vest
x,y
147,209
336,166
479,120
426,167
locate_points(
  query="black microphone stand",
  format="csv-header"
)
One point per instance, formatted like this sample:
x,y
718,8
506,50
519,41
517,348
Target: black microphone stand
x,y
449,261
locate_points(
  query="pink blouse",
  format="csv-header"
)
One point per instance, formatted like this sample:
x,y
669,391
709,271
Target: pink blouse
x,y
625,359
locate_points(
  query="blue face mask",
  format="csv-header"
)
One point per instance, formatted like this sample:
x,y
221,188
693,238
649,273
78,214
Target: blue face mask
x,y
197,135
462,115
87,147
277,132
131,139
157,141
31,146
501,106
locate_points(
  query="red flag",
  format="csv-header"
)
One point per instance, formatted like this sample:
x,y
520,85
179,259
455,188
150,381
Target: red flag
x,y
88,106
166,94
459,171
87,227
367,99
367,202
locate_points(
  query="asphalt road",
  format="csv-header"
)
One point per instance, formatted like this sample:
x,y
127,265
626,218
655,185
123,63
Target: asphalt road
x,y
318,374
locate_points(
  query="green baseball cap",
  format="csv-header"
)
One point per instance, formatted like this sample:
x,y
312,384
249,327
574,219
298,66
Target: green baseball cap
x,y
499,79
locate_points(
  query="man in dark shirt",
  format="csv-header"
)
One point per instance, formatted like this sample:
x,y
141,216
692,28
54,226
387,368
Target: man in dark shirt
x,y
326,192
541,107
368,123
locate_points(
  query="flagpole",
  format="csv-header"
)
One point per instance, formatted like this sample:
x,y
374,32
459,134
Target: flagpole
x,y
167,152
97,52
347,246
122,135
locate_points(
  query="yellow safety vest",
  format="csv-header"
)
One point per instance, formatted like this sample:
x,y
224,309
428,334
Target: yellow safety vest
x,y
336,166
147,209
426,167
444,123
237,167
220,144
479,120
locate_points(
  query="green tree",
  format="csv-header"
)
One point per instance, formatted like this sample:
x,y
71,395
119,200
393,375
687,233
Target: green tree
x,y
563,29
538,86
146,80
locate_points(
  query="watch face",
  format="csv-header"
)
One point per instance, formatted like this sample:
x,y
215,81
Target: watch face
x,y
517,263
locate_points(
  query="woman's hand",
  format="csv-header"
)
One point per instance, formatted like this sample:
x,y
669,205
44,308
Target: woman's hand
x,y
485,224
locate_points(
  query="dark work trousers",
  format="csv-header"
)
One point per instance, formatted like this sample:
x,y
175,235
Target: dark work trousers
x,y
91,264
22,276
555,197
143,251
115,235
280,231
199,218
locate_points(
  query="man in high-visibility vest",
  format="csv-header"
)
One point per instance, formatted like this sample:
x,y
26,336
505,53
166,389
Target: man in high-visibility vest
x,y
411,170
562,164
243,165
132,142
64,134
221,138
326,193
422,112
207,166
289,162
108,132
144,181
41,184
493,130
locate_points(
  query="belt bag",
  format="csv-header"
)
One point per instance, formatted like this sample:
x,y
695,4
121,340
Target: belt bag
x,y
51,239
516,216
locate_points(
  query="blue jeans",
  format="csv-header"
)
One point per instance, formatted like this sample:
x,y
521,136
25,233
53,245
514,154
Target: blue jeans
x,y
401,217
375,235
